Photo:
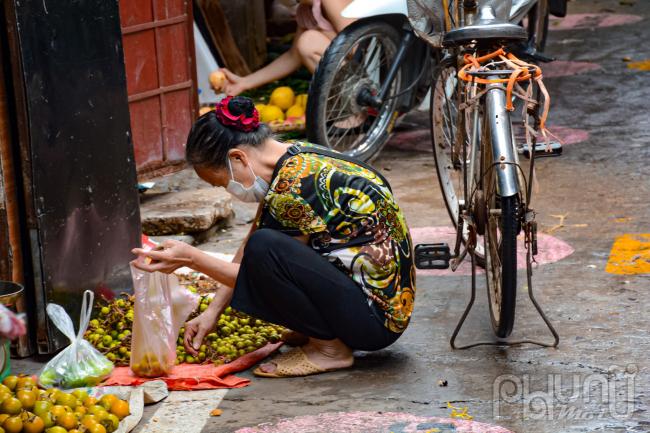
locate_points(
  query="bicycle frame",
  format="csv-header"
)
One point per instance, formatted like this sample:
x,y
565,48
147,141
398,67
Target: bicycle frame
x,y
503,151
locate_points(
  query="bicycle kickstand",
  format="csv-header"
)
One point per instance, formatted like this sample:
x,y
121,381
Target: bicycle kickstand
x,y
529,275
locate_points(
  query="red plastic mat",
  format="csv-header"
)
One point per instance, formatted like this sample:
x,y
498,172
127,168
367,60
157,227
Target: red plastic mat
x,y
187,377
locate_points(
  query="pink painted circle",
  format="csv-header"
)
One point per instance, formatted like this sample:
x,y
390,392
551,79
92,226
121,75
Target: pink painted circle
x,y
564,134
589,21
375,422
550,249
564,68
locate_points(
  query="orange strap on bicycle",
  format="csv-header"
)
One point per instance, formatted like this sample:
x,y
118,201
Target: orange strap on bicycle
x,y
521,71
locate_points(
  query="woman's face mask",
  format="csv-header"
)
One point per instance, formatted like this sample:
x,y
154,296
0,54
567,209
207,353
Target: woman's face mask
x,y
252,194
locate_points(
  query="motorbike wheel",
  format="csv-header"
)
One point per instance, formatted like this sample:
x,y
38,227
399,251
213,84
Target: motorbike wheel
x,y
357,61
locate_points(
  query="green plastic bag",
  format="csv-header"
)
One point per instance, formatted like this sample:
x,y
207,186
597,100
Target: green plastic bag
x,y
80,364
5,360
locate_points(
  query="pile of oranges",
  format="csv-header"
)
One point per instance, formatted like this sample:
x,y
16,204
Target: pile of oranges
x,y
283,105
24,408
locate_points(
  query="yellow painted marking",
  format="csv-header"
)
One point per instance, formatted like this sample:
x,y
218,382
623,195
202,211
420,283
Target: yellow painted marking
x,y
630,255
459,413
643,65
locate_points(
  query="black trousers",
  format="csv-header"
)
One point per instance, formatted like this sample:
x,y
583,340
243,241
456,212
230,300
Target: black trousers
x,y
283,281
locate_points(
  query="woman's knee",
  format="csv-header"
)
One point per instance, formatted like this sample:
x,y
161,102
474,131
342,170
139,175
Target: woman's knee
x,y
309,43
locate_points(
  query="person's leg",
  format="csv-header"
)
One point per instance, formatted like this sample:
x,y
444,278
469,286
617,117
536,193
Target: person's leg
x,y
311,44
284,281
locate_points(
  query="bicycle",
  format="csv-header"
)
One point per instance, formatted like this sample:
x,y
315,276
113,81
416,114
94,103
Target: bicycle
x,y
380,67
484,186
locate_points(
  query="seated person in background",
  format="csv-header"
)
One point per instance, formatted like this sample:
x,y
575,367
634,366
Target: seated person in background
x,y
319,21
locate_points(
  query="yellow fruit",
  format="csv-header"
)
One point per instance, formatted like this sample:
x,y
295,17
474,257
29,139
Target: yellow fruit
x,y
89,421
27,399
120,408
11,406
204,110
59,410
97,428
217,80
282,97
65,399
34,424
98,411
81,410
90,401
295,111
107,401
260,108
67,421
25,382
13,424
10,382
111,423
272,113
302,100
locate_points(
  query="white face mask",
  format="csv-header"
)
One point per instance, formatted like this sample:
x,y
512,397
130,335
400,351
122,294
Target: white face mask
x,y
253,194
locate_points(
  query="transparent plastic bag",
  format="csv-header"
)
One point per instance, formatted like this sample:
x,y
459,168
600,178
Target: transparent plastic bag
x,y
80,364
160,309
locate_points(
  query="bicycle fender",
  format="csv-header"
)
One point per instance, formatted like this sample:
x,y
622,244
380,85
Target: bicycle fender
x,y
502,146
371,8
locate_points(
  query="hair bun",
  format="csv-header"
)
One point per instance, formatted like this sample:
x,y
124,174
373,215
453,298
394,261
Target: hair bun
x,y
241,105
238,112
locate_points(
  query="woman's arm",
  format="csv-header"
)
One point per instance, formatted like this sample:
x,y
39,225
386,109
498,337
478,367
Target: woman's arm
x,y
172,255
197,328
240,250
279,68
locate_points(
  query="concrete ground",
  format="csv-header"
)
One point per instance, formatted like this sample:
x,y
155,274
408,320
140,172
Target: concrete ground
x,y
600,185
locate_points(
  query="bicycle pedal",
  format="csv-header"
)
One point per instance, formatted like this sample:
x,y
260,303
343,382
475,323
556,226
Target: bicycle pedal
x,y
540,150
432,256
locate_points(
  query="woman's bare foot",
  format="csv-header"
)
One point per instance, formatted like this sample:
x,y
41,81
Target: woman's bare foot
x,y
326,354
293,338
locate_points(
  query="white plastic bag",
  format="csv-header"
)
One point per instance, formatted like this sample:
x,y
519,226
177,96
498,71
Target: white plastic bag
x,y
160,309
80,364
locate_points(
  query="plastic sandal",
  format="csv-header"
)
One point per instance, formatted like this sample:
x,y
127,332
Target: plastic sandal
x,y
293,363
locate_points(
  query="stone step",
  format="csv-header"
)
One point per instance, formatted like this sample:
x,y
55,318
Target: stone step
x,y
184,212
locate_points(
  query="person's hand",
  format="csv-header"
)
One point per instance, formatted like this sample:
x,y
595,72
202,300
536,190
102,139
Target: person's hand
x,y
197,328
168,257
234,84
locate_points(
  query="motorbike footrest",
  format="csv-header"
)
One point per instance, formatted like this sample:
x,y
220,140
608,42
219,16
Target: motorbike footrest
x,y
432,256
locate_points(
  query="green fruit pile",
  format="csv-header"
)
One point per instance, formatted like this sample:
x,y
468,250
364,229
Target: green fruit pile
x,y
110,330
24,408
235,334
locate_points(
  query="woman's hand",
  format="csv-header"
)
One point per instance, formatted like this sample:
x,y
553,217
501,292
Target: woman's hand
x,y
234,84
168,257
197,328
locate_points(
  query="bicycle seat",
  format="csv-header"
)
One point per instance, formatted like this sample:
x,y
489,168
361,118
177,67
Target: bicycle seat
x,y
486,27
